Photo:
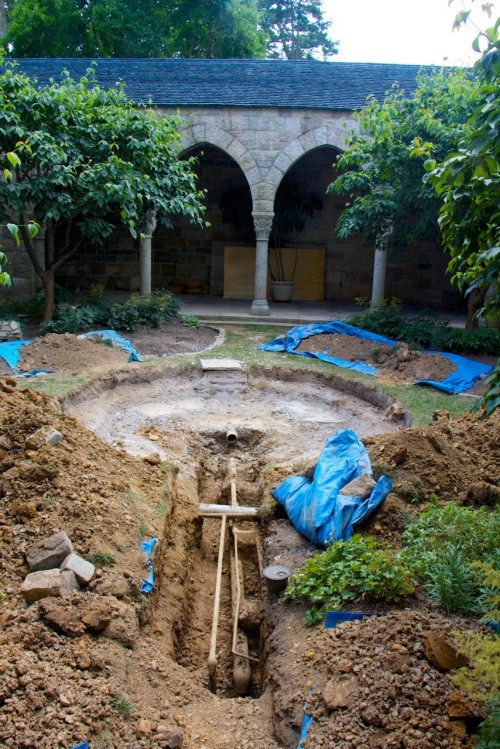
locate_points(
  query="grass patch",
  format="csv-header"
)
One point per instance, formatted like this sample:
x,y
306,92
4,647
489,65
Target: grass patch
x,y
102,559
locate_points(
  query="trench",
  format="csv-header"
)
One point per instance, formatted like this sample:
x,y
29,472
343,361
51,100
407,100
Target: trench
x,y
231,434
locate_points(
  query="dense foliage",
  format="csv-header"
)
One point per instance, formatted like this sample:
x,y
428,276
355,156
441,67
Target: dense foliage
x,y
89,160
427,332
380,172
153,309
135,28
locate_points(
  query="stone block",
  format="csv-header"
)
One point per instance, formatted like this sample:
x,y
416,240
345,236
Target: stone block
x,y
84,571
360,487
340,693
49,553
44,436
10,330
46,583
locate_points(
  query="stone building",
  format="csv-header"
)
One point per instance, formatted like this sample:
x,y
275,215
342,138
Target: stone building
x,y
264,132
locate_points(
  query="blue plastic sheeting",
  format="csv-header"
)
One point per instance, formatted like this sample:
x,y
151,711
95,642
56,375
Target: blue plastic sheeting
x,y
332,618
466,374
117,340
81,746
293,338
148,582
9,351
316,508
304,729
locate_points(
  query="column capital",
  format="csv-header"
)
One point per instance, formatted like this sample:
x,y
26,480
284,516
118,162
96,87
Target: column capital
x,y
263,220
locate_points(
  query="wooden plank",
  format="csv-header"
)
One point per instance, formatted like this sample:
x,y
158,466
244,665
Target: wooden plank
x,y
239,272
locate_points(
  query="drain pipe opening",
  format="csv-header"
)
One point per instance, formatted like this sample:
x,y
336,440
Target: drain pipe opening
x,y
231,436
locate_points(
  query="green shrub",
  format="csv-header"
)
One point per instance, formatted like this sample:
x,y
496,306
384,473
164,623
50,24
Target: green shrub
x,y
450,582
480,679
426,332
348,571
72,320
155,308
474,530
454,551
122,317
488,736
191,321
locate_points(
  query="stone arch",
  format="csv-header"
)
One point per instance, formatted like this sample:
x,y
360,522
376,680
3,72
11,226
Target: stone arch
x,y
331,136
200,133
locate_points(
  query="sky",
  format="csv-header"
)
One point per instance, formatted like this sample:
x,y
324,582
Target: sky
x,y
414,32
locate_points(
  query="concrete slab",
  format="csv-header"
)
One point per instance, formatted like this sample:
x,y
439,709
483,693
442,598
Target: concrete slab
x,y
220,365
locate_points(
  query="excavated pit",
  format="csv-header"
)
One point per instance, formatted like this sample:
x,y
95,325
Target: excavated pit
x,y
270,424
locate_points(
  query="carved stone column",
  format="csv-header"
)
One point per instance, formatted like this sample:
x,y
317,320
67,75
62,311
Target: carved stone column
x,y
145,252
380,264
262,223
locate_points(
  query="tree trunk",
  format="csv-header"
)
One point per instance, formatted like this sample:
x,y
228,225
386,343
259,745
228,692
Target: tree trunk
x,y
49,288
475,301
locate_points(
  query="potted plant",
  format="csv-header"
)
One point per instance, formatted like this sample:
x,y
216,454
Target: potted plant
x,y
291,208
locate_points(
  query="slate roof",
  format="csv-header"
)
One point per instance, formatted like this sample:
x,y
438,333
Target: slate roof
x,y
292,84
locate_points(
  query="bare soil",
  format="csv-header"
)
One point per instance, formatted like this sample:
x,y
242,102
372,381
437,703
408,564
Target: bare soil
x,y
125,670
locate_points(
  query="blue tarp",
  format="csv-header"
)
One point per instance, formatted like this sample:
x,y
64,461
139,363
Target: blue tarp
x,y
117,340
10,350
148,582
466,374
315,507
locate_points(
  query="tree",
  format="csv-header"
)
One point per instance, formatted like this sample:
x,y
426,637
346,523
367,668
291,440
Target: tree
x,y
467,182
382,169
134,28
215,28
90,160
296,29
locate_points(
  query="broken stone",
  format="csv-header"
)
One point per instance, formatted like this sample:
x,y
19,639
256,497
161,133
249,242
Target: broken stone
x,y
49,553
171,737
154,459
84,571
44,436
442,653
360,487
21,509
46,583
113,584
144,727
396,412
339,693
62,618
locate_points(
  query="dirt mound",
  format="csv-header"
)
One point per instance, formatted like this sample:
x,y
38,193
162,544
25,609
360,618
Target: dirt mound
x,y
101,666
396,363
69,354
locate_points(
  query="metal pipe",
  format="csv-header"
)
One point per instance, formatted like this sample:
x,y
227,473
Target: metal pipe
x,y
231,510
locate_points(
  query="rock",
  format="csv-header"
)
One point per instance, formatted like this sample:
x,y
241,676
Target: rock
x,y
124,626
360,487
144,727
339,693
23,509
84,571
62,618
172,738
97,616
396,412
154,459
459,707
49,553
44,436
442,653
46,583
10,330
